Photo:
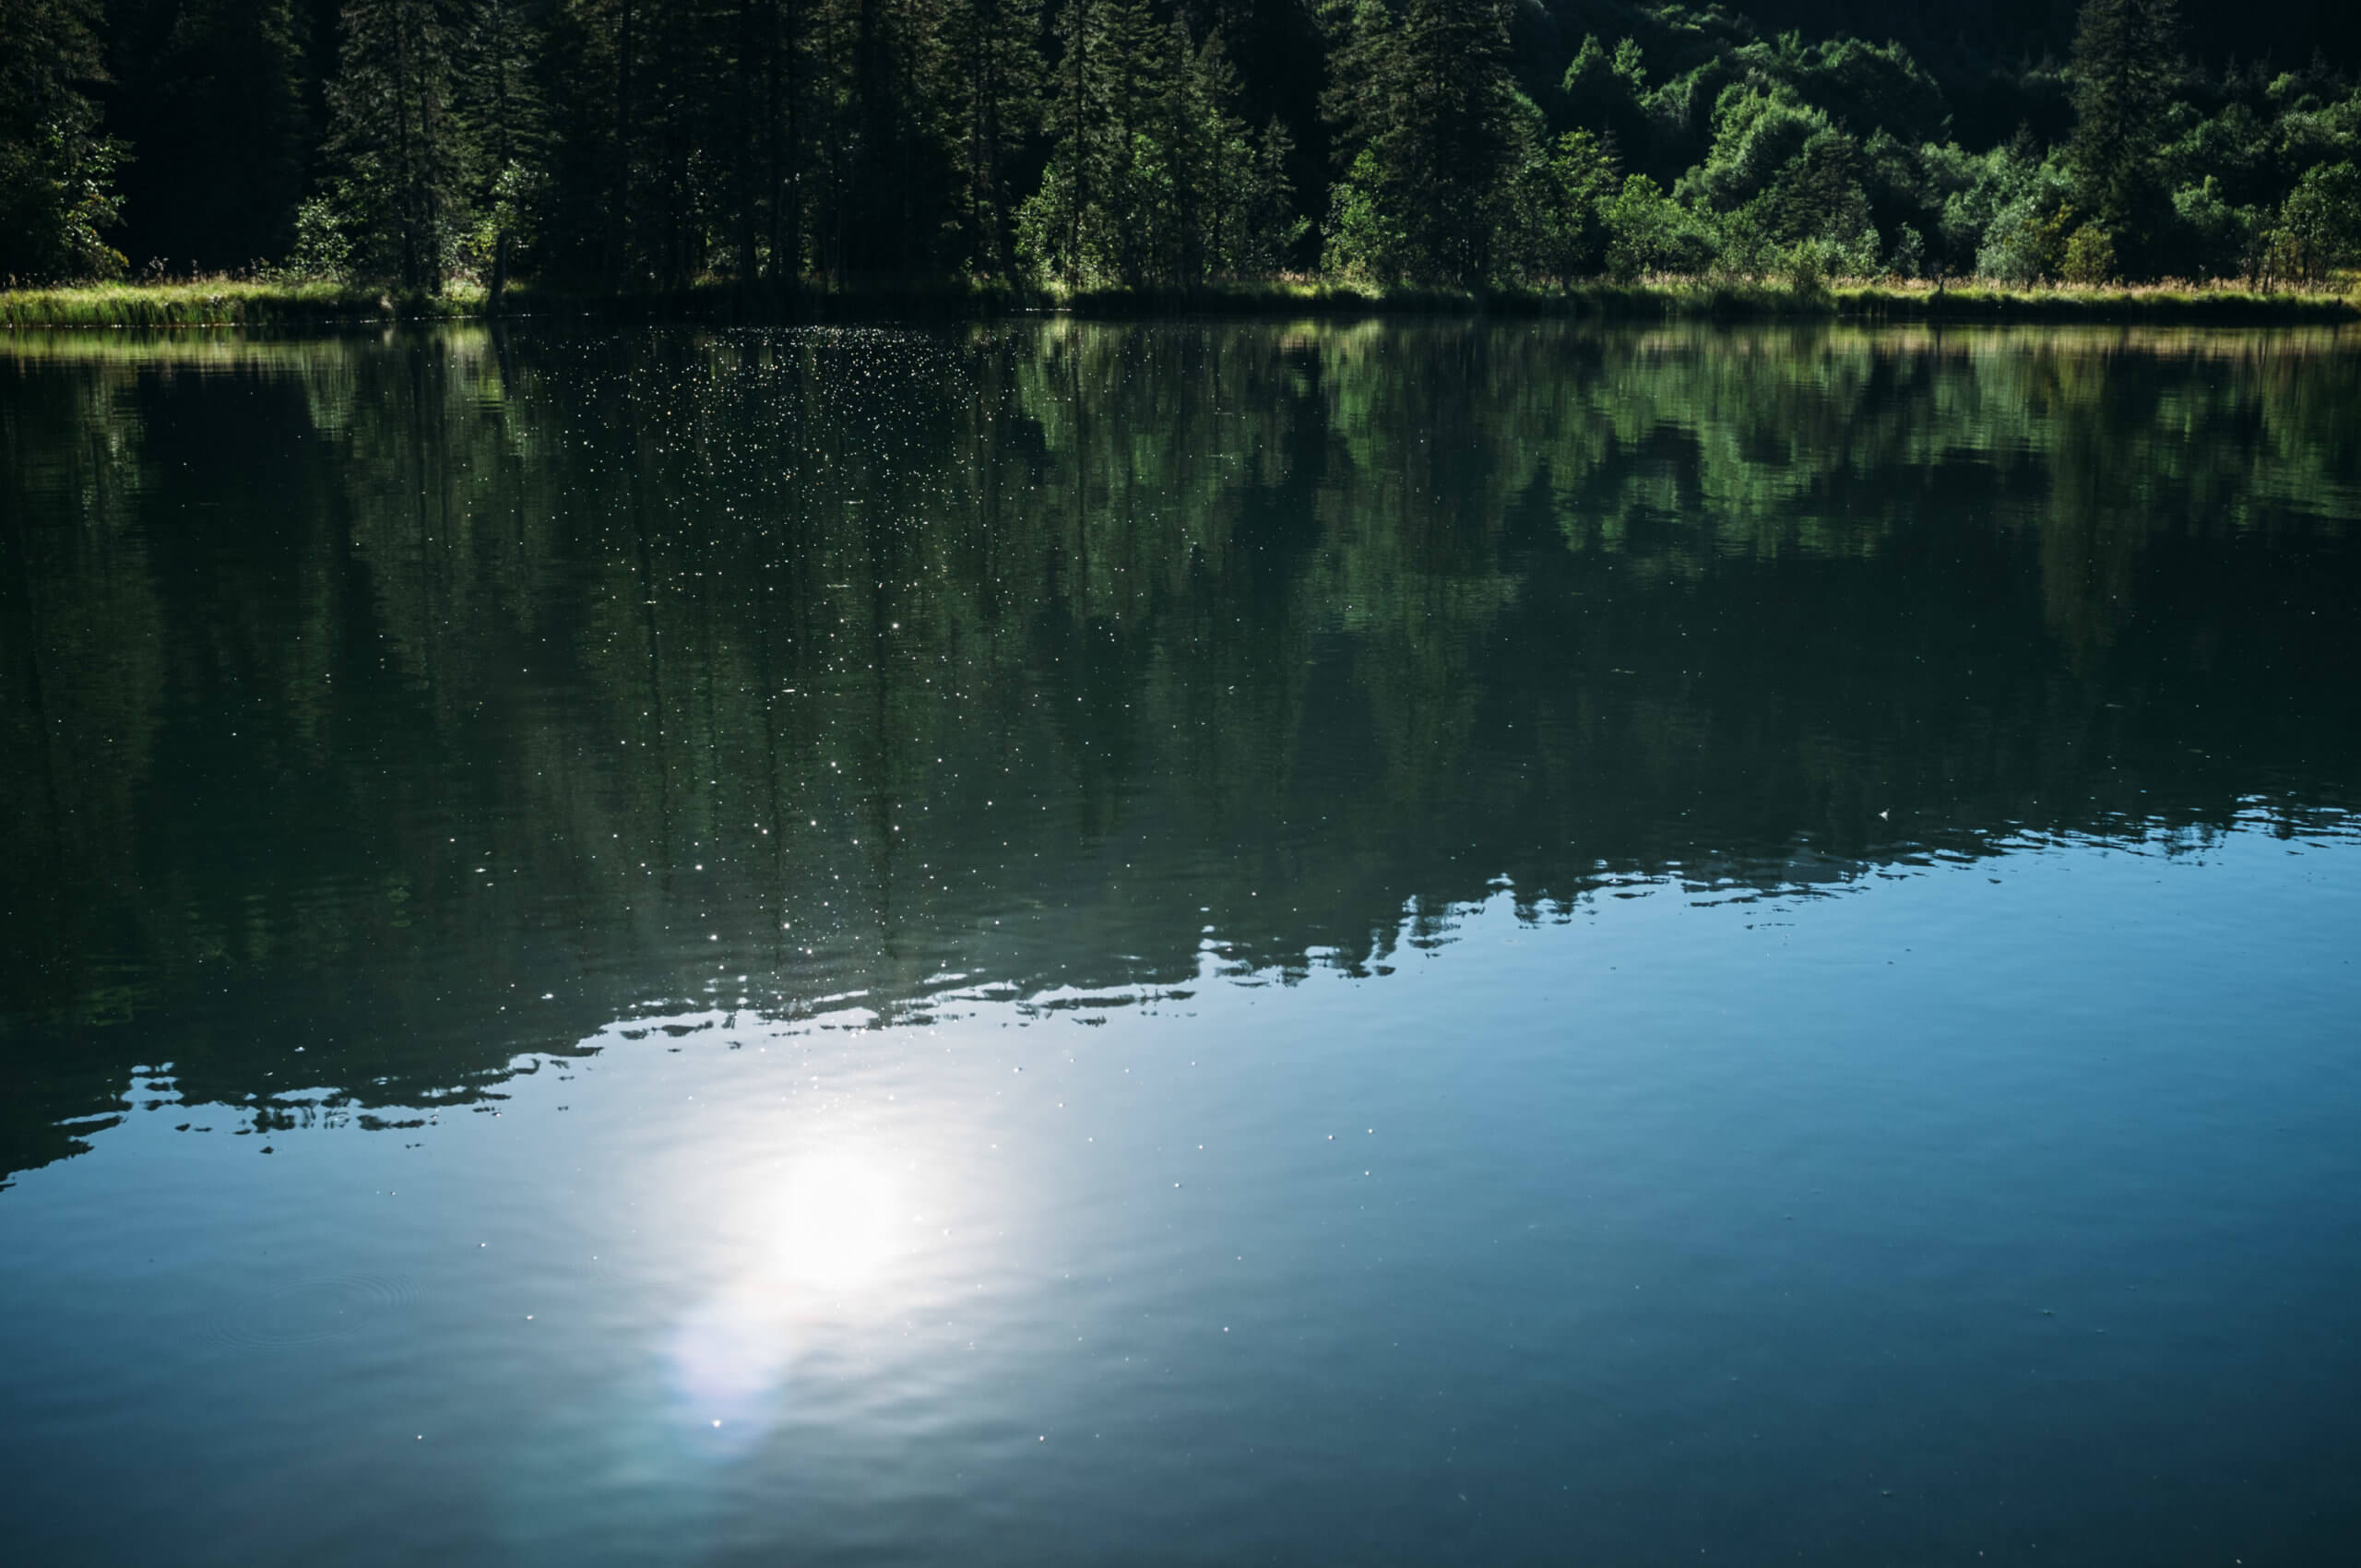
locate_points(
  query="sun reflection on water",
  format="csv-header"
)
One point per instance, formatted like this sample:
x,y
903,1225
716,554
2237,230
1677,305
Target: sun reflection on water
x,y
819,1245
840,1223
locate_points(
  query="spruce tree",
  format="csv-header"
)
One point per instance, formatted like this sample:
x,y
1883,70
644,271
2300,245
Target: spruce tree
x,y
901,200
1268,226
1071,226
995,79
394,134
1425,109
2127,64
498,106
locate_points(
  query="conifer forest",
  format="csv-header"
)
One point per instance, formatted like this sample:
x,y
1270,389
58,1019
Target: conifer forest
x,y
639,145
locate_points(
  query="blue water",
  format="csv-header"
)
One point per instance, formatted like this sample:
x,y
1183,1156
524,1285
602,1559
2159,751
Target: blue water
x,y
1956,1166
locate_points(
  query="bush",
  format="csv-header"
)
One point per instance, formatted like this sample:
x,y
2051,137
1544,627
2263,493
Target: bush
x,y
1555,226
2319,224
2089,259
1364,239
1909,255
1649,232
2024,247
322,250
2212,238
56,193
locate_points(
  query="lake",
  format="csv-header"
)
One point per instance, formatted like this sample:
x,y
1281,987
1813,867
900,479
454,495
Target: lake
x,y
1055,943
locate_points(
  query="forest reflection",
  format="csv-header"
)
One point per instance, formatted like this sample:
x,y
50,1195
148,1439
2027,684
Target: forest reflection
x,y
429,699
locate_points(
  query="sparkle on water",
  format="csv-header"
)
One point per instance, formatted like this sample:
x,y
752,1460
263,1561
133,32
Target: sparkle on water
x,y
1072,942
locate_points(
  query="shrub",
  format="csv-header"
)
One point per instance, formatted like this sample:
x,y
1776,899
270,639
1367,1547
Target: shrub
x,y
2320,224
322,250
2089,257
1649,232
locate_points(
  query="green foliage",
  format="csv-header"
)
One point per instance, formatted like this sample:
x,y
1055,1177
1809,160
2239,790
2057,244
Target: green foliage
x,y
1818,195
994,77
1862,86
1555,227
1153,178
397,140
57,167
2026,241
1270,228
1366,240
629,145
1649,232
2088,260
2319,225
2215,239
505,133
2127,65
1433,121
323,251
1757,133
1606,94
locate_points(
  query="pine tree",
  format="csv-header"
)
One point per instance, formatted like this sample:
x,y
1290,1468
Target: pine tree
x,y
394,134
1268,226
995,80
1425,109
1206,159
1112,70
1453,136
499,107
2127,63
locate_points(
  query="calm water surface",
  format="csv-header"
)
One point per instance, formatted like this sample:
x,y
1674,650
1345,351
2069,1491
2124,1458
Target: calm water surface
x,y
1191,943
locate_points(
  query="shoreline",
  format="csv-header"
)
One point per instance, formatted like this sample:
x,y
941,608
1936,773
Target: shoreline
x,y
216,304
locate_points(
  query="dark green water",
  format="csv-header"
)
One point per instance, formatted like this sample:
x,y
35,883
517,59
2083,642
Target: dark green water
x,y
1080,943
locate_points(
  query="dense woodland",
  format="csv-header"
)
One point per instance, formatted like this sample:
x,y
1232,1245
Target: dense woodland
x,y
638,145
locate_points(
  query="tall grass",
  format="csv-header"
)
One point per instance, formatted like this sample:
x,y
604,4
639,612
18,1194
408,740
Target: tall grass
x,y
232,302
222,301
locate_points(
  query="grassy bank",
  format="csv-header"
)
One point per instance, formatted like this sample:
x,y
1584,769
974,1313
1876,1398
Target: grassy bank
x,y
1654,299
224,302
1675,298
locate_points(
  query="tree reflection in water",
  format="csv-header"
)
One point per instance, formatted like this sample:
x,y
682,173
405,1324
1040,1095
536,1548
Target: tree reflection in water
x,y
432,702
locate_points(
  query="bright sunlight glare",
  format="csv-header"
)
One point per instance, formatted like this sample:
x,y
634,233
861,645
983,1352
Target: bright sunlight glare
x,y
839,1221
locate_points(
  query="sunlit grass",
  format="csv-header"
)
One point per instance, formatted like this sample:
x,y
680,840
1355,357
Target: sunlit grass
x,y
234,301
223,301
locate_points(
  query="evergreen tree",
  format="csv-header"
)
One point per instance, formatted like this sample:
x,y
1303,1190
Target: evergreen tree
x,y
1269,227
394,134
2127,63
1073,226
651,143
499,109
785,117
1430,102
1153,178
1608,95
995,79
